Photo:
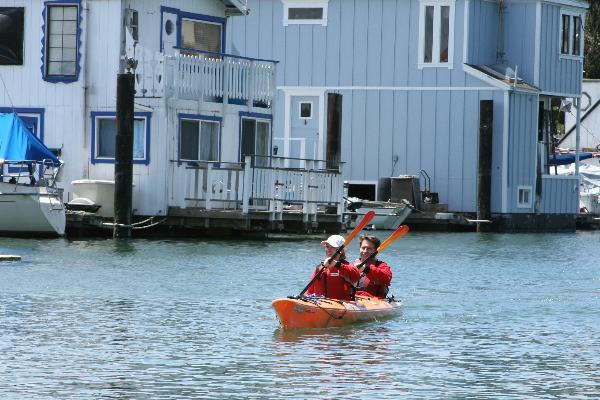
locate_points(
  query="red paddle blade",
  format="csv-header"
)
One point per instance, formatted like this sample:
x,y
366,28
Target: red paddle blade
x,y
359,227
398,233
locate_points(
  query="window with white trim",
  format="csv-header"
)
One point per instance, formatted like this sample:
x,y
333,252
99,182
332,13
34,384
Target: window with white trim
x,y
61,40
305,12
436,33
524,199
571,34
105,132
199,139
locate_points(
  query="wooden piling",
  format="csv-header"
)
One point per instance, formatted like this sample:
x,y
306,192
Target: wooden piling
x,y
484,173
334,130
124,155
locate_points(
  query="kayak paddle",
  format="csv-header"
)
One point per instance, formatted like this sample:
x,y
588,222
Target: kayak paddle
x,y
363,222
398,233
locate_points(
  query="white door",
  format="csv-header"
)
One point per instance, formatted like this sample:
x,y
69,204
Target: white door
x,y
305,135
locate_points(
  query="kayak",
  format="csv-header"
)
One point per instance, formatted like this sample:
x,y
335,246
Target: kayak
x,y
321,312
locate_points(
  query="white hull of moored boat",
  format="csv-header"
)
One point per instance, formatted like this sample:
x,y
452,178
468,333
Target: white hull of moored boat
x,y
31,210
386,218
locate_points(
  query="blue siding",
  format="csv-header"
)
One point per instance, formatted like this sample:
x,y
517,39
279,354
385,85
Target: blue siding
x,y
522,147
557,75
559,195
497,151
519,33
483,32
393,132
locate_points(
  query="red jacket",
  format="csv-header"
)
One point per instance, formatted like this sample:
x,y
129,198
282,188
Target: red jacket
x,y
377,281
332,284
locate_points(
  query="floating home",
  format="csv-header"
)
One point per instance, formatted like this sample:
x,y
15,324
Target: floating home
x,y
459,91
203,124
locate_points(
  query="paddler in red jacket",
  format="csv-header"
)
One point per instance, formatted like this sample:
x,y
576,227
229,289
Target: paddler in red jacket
x,y
336,279
376,275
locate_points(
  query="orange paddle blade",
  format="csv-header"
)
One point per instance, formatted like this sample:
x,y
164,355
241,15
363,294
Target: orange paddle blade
x,y
359,227
398,233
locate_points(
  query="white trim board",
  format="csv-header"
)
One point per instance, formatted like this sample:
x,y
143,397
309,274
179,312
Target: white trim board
x,y
314,89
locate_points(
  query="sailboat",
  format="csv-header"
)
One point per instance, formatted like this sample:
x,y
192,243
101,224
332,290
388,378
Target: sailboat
x,y
30,202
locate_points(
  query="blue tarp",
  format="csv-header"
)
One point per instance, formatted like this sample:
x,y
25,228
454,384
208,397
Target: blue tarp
x,y
17,143
566,159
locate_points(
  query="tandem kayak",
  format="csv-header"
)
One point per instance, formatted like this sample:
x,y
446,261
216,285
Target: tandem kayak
x,y
320,312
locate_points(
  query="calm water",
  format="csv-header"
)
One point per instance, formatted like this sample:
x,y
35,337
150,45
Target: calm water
x,y
486,316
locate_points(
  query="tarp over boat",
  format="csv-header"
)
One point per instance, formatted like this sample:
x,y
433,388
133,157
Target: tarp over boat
x,y
568,158
17,143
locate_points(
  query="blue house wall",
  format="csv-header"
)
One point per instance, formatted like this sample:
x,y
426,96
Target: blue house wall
x,y
558,74
483,32
398,118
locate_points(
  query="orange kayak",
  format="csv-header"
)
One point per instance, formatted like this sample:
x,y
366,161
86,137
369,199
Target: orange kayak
x,y
308,312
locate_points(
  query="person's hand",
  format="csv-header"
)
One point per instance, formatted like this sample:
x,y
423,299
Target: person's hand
x,y
329,264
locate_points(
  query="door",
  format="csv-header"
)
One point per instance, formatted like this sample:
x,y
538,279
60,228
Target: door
x,y
305,135
256,139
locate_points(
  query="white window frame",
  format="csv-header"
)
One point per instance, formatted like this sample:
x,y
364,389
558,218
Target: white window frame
x,y
200,121
287,4
300,110
435,62
571,13
529,191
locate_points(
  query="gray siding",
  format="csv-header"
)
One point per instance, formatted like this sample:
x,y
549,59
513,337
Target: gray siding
x,y
557,75
522,147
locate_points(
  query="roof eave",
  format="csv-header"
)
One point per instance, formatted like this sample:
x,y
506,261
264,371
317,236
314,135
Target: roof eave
x,y
235,7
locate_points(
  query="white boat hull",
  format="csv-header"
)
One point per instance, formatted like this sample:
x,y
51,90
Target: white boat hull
x,y
386,218
31,210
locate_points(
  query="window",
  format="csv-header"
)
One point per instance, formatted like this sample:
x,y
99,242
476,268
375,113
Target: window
x,y
199,138
436,34
524,200
132,23
61,41
571,31
11,36
104,132
201,35
305,110
34,120
255,137
303,12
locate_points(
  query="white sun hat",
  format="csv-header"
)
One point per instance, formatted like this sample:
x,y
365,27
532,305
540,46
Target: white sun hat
x,y
334,241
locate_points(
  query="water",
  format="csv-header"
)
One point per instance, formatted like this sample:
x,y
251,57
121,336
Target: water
x,y
486,316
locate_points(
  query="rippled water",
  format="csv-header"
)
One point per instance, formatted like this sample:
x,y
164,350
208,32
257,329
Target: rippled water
x,y
486,316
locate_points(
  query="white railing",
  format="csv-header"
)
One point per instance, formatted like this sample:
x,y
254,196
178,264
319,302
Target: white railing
x,y
259,184
205,77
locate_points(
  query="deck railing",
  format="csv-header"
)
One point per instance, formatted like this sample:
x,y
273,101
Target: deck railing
x,y
260,184
205,76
